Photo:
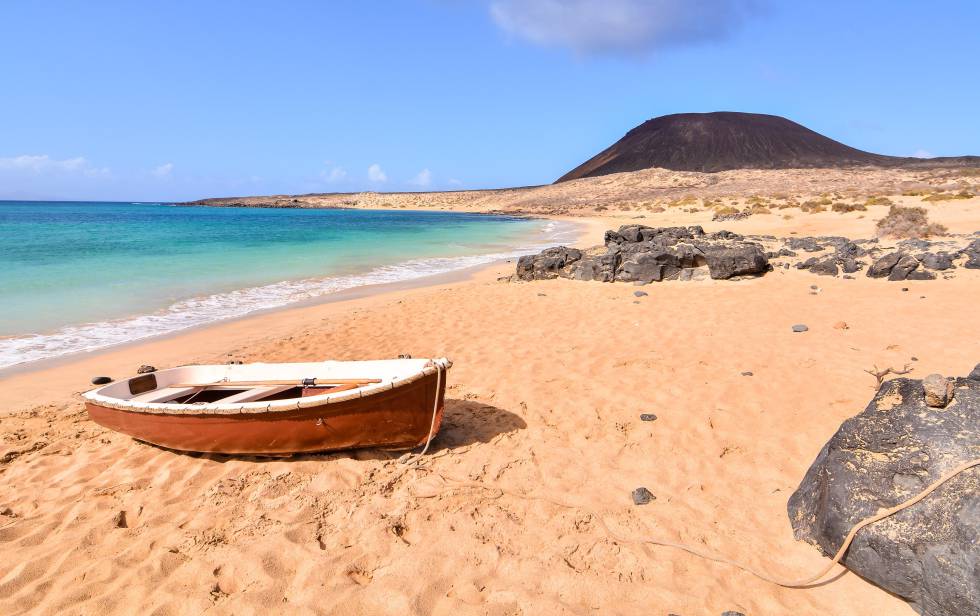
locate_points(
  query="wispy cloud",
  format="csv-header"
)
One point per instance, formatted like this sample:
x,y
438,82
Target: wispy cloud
x,y
164,170
377,174
333,174
454,182
40,164
621,26
920,153
424,178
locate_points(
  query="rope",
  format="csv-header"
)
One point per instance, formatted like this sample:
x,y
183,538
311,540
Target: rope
x,y
414,459
788,583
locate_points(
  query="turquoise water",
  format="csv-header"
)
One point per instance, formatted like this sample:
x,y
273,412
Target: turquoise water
x,y
82,276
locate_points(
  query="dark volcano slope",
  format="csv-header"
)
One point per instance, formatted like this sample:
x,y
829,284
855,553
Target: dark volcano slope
x,y
726,140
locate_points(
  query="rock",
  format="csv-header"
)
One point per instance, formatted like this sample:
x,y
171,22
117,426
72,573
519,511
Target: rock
x,y
694,273
827,267
732,613
101,380
808,263
808,244
642,496
119,520
601,268
644,267
920,275
841,325
883,266
640,293
145,369
747,373
850,265
938,390
847,277
737,259
975,373
926,554
972,253
8,512
903,268
547,264
800,328
648,417
936,261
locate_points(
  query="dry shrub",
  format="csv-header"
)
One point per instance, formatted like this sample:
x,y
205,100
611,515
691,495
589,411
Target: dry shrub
x,y
657,209
949,196
908,223
879,201
726,211
843,208
759,209
814,206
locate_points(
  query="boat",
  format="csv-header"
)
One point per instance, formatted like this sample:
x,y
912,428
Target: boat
x,y
277,409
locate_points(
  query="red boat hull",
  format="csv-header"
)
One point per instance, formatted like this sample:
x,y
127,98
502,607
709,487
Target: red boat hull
x,y
398,418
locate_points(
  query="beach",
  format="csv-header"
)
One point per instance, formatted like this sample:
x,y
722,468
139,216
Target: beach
x,y
543,411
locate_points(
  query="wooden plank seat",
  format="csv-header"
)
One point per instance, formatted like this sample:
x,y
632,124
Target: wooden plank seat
x,y
256,393
165,394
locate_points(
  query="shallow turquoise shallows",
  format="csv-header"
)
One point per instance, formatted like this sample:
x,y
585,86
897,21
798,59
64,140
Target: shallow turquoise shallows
x,y
83,276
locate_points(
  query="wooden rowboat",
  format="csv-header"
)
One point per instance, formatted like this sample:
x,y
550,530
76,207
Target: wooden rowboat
x,y
278,408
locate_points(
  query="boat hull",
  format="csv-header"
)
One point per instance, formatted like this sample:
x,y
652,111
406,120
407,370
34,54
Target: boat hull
x,y
398,418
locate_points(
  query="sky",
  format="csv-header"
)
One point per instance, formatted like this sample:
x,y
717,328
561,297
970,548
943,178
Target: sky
x,y
184,99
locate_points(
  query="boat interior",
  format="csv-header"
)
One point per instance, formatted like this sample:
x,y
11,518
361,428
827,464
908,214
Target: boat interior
x,y
245,383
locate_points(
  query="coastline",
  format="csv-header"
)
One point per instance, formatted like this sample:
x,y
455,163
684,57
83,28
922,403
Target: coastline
x,y
237,331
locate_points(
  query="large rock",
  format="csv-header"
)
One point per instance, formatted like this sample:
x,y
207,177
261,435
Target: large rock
x,y
600,267
972,253
927,554
549,263
883,266
905,266
736,259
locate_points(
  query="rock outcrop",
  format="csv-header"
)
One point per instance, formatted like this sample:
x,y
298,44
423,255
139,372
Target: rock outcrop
x,y
910,434
637,253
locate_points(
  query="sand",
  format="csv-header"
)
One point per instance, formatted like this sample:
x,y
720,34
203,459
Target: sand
x,y
549,381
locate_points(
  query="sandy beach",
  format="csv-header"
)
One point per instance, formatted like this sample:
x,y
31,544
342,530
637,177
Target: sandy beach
x,y
550,379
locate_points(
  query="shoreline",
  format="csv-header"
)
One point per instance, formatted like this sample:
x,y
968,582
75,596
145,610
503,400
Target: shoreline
x,y
9,376
575,227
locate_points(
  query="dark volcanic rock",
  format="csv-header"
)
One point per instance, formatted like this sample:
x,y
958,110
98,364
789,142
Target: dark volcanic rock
x,y
827,267
601,268
549,263
903,268
972,253
937,261
883,266
926,554
737,259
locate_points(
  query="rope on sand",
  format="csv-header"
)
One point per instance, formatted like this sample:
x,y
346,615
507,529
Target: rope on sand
x,y
780,581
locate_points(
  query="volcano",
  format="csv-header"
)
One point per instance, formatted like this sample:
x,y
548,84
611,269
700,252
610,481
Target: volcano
x,y
725,140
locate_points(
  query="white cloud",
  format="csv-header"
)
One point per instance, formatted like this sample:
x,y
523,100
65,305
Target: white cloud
x,y
163,170
920,153
42,164
617,26
424,178
376,173
334,174
454,182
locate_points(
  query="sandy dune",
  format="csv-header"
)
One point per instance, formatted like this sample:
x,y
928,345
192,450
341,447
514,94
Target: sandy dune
x,y
544,399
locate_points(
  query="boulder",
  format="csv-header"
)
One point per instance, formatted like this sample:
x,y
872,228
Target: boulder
x,y
547,264
905,266
599,267
826,267
808,244
972,253
936,261
926,554
644,267
883,266
736,259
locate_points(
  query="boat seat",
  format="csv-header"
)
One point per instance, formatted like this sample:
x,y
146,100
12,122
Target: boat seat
x,y
256,393
165,394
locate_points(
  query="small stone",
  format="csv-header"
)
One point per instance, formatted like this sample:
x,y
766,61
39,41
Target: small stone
x,y
145,369
841,325
731,613
404,356
648,417
905,288
542,295
640,293
939,390
848,277
642,496
915,358
975,374
814,287
119,520
747,373
800,328
101,380
8,512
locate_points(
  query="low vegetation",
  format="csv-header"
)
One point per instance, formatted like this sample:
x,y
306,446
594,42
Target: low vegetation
x,y
908,223
949,196
843,207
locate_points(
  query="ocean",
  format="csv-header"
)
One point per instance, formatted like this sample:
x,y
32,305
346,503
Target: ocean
x,y
81,276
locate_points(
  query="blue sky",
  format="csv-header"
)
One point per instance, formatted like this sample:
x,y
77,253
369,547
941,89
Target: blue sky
x,y
166,100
